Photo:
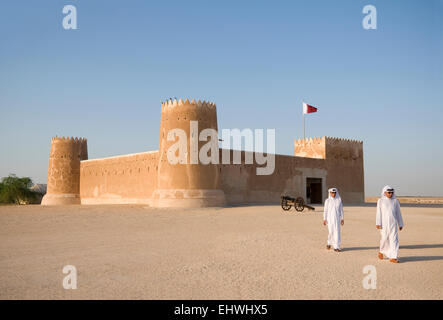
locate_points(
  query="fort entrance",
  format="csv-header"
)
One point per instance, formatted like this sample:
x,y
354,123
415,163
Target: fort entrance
x,y
314,190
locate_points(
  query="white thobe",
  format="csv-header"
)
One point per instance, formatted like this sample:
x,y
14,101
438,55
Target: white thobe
x,y
333,214
388,217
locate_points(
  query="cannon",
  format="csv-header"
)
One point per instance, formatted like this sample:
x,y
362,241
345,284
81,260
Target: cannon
x,y
299,203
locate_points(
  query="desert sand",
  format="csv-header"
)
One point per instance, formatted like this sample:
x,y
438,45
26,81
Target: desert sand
x,y
414,200
250,252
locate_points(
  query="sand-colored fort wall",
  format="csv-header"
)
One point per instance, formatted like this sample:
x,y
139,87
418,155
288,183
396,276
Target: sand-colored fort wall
x,y
242,185
150,178
133,179
343,162
122,179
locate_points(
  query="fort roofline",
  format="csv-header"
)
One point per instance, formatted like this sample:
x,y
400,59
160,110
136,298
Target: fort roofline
x,y
174,103
148,177
326,138
120,156
75,140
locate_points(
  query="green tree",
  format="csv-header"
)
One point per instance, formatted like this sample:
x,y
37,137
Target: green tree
x,y
16,190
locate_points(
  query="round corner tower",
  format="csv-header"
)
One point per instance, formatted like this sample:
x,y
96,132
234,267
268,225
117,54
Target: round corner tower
x,y
188,183
64,170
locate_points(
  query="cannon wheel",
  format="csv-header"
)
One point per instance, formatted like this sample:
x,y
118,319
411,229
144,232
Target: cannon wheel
x,y
285,205
299,204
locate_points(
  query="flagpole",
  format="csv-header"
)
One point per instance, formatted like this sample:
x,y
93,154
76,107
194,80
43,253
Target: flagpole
x,y
303,112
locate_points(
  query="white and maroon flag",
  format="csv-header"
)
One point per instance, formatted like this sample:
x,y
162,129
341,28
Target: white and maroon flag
x,y
307,108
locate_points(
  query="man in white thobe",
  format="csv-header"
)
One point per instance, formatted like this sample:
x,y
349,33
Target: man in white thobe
x,y
333,216
387,220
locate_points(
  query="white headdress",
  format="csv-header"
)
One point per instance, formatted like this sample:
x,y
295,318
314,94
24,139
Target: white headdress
x,y
386,188
337,195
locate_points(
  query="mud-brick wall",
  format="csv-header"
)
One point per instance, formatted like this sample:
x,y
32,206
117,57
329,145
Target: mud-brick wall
x,y
344,161
122,179
242,185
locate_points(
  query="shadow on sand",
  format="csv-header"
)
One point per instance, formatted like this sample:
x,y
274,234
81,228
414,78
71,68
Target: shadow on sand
x,y
422,258
410,258
412,246
422,246
359,248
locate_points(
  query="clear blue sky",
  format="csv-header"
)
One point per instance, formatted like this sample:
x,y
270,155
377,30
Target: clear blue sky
x,y
256,60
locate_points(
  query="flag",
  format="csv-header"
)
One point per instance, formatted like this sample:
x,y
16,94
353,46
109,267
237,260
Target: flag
x,y
308,108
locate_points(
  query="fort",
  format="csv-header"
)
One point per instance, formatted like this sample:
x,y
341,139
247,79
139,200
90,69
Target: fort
x,y
149,178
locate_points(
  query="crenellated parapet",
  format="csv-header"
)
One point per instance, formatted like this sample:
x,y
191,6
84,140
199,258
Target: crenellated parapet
x,y
170,104
342,140
343,149
310,148
64,170
178,114
328,148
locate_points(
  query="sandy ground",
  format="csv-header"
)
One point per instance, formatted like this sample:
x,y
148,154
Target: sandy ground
x,y
414,200
253,252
